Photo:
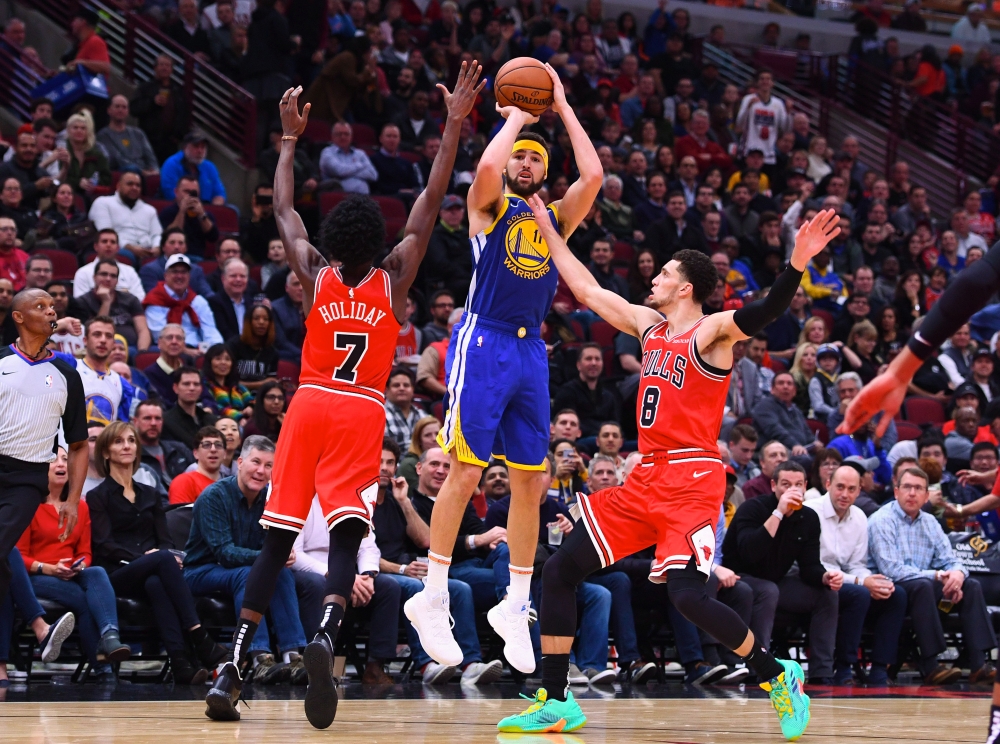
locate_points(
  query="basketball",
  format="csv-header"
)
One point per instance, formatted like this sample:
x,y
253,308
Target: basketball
x,y
524,82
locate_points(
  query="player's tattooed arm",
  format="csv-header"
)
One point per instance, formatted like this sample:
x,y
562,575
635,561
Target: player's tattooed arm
x,y
403,262
615,309
303,258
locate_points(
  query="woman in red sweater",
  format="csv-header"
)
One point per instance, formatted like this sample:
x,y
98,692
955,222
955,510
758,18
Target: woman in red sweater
x,y
61,570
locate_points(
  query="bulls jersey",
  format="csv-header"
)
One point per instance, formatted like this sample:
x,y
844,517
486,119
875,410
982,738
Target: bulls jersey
x,y
351,335
407,343
513,276
681,397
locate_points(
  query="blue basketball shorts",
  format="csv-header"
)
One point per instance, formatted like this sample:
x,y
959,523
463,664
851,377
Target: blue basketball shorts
x,y
498,394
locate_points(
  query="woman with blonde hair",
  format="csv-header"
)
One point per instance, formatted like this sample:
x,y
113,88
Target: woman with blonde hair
x,y
859,352
818,168
88,167
424,437
130,540
813,332
803,370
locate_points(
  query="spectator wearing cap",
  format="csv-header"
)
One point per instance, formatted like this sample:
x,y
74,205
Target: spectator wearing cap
x,y
135,221
192,161
753,160
173,301
981,375
910,19
970,29
909,547
696,143
843,550
449,261
90,51
188,214
863,443
823,385
346,164
160,110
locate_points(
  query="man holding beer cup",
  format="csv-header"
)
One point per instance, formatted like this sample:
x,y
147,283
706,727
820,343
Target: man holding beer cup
x,y
767,535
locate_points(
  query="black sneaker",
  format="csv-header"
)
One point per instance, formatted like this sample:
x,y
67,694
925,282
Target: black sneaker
x,y
705,674
734,676
221,700
321,695
59,631
640,672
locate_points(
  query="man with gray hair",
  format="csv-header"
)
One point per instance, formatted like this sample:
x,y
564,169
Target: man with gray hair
x,y
617,215
232,306
696,143
343,163
226,537
602,473
289,320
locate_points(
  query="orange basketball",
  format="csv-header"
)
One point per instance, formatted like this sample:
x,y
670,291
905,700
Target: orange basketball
x,y
523,82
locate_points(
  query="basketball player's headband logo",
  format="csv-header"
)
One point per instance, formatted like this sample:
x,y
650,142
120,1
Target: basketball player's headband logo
x,y
526,144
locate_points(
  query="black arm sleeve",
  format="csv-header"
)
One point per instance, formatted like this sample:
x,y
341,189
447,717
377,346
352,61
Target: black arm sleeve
x,y
756,316
967,295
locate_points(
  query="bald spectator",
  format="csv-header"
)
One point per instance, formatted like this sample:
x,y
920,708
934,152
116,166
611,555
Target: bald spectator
x,y
12,259
345,163
35,181
128,147
231,305
134,220
289,320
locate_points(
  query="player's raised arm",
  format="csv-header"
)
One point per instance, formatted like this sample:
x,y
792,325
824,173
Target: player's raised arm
x,y
487,188
303,258
615,309
968,294
737,325
403,262
573,207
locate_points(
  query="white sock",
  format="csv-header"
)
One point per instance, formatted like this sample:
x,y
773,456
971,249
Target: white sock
x,y
519,590
437,571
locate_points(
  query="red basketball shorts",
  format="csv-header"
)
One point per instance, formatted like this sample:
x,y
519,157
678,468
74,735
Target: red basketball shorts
x,y
330,446
671,500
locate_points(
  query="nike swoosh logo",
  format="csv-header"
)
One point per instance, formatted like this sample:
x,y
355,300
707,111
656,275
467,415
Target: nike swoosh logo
x,y
7,373
698,475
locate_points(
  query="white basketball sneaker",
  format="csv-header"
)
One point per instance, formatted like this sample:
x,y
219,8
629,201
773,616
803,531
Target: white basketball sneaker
x,y
510,621
428,611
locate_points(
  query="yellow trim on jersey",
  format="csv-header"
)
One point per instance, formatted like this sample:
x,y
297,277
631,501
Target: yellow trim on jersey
x,y
500,214
517,465
462,449
526,144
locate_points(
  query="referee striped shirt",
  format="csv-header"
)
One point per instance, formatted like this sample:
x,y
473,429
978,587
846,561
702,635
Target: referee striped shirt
x,y
35,399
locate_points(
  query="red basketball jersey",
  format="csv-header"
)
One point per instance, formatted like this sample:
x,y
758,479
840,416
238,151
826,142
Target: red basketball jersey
x,y
351,335
681,398
406,342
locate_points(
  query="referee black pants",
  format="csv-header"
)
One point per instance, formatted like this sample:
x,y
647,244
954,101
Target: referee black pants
x,y
23,487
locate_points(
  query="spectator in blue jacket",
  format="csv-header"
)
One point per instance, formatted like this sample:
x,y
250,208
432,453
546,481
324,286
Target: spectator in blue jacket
x,y
192,160
289,320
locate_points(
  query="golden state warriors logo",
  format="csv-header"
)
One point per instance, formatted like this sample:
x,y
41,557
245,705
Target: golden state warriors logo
x,y
527,253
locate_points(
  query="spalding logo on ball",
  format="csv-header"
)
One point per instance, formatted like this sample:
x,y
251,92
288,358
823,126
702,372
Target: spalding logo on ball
x,y
524,82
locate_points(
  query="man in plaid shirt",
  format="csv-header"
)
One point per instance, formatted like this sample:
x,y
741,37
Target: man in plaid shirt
x,y
908,546
400,413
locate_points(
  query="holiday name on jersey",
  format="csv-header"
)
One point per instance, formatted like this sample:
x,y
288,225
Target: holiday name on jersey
x,y
357,311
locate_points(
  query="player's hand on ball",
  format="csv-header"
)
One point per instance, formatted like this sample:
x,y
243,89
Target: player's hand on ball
x,y
460,102
507,111
558,92
293,123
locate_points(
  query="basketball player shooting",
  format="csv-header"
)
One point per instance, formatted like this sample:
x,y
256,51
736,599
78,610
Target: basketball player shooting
x,y
672,498
967,295
334,426
498,387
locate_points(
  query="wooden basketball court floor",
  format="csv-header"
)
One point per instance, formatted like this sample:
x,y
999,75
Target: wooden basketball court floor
x,y
722,717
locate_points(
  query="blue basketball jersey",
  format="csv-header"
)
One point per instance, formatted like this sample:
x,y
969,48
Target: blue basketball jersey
x,y
513,277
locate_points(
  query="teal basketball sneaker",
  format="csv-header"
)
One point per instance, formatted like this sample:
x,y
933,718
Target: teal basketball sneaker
x,y
545,716
789,700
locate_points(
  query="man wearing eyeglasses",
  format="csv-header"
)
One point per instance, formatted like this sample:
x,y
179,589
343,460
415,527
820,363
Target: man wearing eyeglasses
x,y
209,449
909,547
107,300
441,304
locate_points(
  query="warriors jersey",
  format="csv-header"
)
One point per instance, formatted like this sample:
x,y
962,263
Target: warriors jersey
x,y
109,396
351,335
681,397
513,278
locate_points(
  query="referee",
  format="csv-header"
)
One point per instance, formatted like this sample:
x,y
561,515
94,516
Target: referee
x,y
38,392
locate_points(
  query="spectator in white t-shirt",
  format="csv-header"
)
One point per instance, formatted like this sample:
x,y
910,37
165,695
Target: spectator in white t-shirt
x,y
762,118
107,247
137,224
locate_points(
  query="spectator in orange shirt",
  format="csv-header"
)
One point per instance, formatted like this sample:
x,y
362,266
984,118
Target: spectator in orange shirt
x,y
209,451
61,571
930,80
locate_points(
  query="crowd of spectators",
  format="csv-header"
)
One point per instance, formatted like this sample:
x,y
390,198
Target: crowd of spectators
x,y
189,336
